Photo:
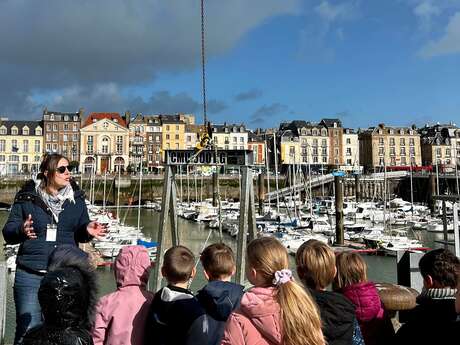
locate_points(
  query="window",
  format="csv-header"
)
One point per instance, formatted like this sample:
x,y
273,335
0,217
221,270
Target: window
x,y
2,158
235,140
392,141
75,118
48,136
177,146
403,161
25,145
381,161
348,161
315,142
105,145
315,150
348,141
14,131
158,139
3,130
119,144
403,151
90,144
66,126
315,159
392,151
402,141
447,152
37,146
381,149
241,147
64,137
14,158
411,141
48,127
167,127
25,131
48,147
55,137
14,145
37,158
241,139
55,127
412,151
324,151
324,159
438,152
75,137
393,161
167,136
324,142
189,138
24,158
348,151
391,131
177,136
2,145
66,118
381,142
38,131
177,127
75,127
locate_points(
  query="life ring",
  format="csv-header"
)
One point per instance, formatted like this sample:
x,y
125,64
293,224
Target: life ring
x,y
396,297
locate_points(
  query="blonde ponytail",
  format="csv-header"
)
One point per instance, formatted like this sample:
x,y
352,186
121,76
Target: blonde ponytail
x,y
299,315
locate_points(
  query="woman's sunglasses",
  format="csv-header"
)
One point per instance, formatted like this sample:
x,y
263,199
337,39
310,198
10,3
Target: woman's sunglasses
x,y
62,169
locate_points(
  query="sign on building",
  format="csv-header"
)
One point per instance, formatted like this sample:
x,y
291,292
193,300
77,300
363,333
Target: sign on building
x,y
209,157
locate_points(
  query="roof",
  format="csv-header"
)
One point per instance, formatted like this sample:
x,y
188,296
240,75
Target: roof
x,y
115,117
330,122
194,129
229,128
32,125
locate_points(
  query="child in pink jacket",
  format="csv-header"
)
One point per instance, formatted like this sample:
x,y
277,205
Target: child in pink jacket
x,y
276,310
121,315
351,281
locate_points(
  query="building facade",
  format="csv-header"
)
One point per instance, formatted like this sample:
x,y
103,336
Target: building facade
x,y
230,136
257,144
389,146
62,133
104,143
350,150
21,146
335,133
154,136
440,145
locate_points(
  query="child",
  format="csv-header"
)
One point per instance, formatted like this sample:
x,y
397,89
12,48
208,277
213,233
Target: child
x,y
121,315
351,280
67,297
315,262
276,310
436,303
176,317
219,297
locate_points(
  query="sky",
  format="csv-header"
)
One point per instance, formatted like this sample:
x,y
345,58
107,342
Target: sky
x,y
268,61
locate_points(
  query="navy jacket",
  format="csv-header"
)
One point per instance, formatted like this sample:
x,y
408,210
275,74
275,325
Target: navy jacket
x,y
34,254
176,318
219,299
428,323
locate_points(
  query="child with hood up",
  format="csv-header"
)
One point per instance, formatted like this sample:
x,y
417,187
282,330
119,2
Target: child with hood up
x,y
121,315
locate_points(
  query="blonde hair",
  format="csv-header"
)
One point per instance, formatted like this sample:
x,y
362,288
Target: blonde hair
x,y
299,314
315,263
351,269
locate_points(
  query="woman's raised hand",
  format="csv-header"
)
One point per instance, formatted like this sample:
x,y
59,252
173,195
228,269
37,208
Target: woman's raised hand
x,y
28,229
96,229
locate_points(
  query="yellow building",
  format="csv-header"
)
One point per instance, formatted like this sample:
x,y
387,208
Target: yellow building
x,y
21,146
173,132
290,149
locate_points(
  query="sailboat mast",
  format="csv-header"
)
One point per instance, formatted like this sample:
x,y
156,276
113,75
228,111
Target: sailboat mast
x,y
118,191
276,173
411,191
140,197
268,174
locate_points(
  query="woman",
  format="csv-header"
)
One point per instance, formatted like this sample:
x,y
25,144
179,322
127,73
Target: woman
x,y
46,213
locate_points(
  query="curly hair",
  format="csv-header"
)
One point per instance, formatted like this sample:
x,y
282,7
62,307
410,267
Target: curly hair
x,y
442,266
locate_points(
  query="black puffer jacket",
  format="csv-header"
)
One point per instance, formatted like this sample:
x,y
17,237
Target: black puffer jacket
x,y
337,316
71,229
67,296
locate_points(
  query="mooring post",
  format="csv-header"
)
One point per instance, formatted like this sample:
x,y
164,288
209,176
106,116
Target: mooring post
x,y
247,222
215,181
444,224
432,193
338,183
357,188
3,288
261,194
168,208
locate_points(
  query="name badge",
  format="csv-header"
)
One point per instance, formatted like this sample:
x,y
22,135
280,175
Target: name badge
x,y
51,232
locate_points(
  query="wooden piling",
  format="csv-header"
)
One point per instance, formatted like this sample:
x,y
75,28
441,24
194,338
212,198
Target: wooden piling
x,y
339,237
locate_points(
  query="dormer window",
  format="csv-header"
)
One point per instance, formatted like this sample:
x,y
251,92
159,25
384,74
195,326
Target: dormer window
x,y
391,131
411,132
234,129
14,131
25,131
75,118
380,131
66,118
335,124
38,131
241,129
3,130
401,132
94,120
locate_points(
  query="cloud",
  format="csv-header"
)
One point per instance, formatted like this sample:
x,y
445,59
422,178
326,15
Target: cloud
x,y
449,43
71,44
248,95
266,111
425,11
342,11
109,97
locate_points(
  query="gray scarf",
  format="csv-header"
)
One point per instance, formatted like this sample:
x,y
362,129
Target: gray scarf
x,y
442,293
55,202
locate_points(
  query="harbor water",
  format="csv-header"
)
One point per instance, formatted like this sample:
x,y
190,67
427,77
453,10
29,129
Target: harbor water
x,y
194,236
